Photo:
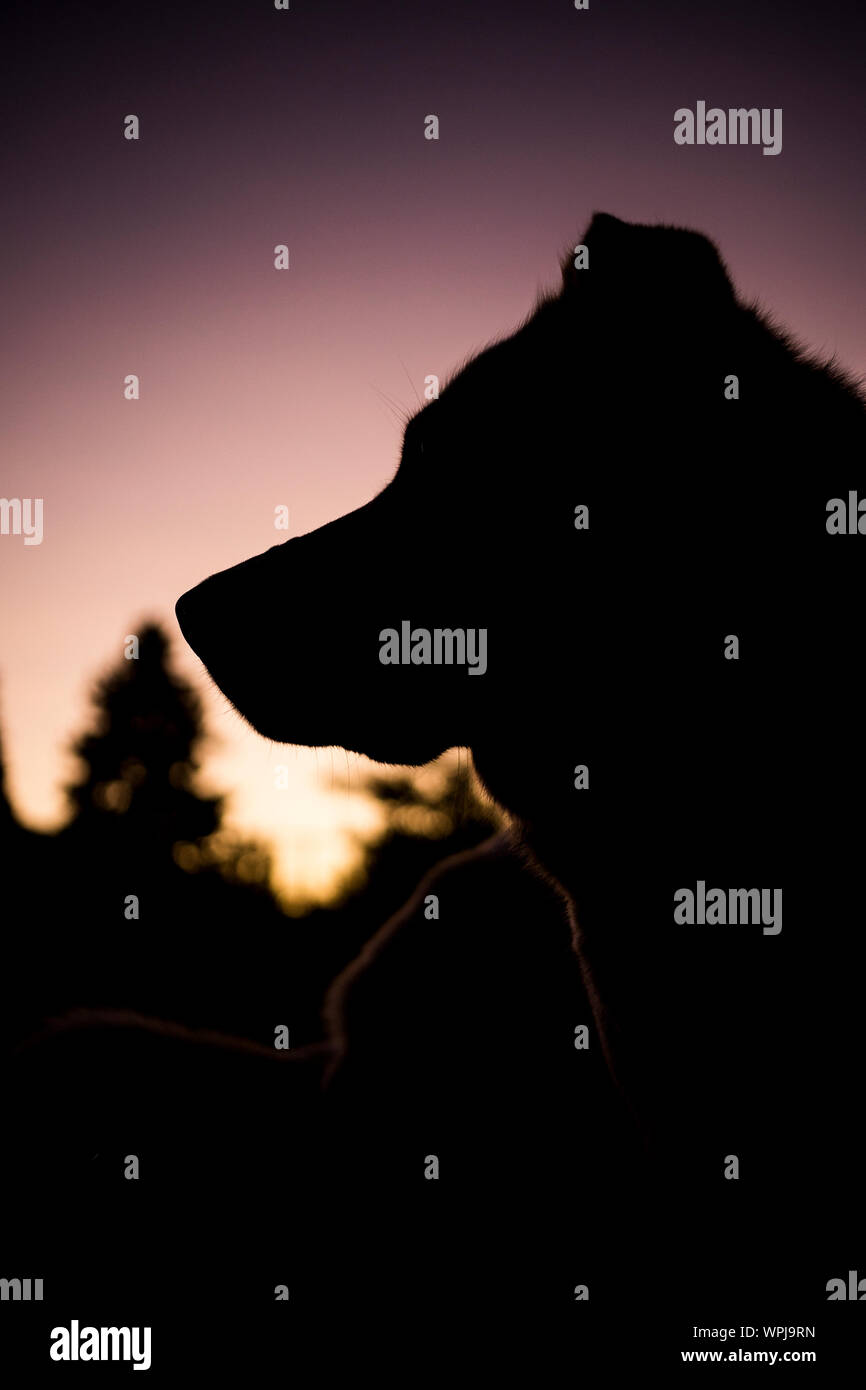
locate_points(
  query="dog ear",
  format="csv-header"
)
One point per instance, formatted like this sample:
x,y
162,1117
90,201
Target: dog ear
x,y
605,240
681,270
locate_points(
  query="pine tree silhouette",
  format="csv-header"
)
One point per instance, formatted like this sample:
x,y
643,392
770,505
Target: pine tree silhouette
x,y
140,759
151,893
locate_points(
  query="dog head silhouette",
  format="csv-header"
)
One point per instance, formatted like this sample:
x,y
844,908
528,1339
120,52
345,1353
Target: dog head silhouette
x,y
577,522
607,565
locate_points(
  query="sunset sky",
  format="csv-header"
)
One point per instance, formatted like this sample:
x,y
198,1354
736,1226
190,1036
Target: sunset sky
x,y
262,387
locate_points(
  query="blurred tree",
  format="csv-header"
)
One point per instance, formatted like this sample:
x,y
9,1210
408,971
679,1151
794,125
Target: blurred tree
x,y
17,843
8,822
29,862
154,894
139,760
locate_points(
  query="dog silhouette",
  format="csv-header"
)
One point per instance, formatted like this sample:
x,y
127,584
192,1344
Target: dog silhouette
x,y
647,499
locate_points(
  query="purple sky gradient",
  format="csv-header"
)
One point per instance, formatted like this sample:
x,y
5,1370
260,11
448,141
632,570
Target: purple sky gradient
x,y
260,387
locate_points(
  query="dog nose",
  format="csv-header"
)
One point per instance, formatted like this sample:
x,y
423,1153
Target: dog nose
x,y
224,611
183,611
202,614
